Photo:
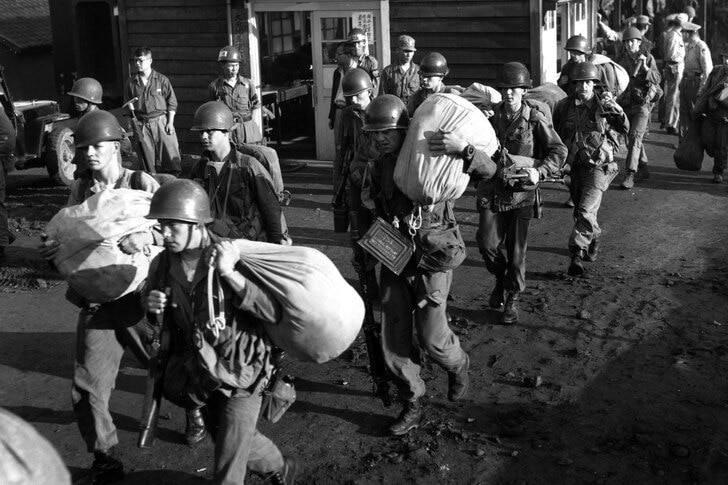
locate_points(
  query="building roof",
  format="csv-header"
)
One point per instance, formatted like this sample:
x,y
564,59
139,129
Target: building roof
x,y
25,24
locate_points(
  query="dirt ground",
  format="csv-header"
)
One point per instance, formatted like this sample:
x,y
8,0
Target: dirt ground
x,y
632,358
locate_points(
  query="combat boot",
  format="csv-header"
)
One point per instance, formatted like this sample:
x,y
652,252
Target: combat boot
x,y
593,251
195,430
409,419
496,296
628,181
510,313
576,268
458,382
105,469
642,173
286,475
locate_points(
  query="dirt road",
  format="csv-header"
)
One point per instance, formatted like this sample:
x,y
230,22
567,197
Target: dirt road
x,y
632,358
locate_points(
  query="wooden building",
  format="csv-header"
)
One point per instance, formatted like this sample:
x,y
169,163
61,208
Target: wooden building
x,y
289,44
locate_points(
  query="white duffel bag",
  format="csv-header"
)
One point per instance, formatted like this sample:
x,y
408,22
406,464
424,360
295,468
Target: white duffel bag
x,y
321,313
88,257
427,179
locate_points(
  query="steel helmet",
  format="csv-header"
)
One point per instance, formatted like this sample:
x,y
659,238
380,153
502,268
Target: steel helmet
x,y
88,89
229,53
181,200
513,75
95,127
356,35
434,64
386,112
213,115
583,71
577,43
631,33
355,81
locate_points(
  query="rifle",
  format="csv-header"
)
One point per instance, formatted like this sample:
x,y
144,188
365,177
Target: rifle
x,y
339,202
157,364
136,128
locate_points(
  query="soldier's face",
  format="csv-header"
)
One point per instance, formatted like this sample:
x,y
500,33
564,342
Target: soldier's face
x,y
230,69
80,104
360,47
389,141
584,90
101,155
405,56
633,45
430,82
576,56
214,139
361,100
180,235
513,97
143,63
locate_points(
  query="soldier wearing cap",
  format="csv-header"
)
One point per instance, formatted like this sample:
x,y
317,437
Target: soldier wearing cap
x,y
369,63
346,61
698,65
402,78
712,105
239,94
673,49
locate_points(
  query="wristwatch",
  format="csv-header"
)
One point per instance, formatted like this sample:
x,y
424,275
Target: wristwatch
x,y
468,153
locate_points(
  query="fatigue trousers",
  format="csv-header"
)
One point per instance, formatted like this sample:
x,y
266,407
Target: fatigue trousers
x,y
4,229
672,75
338,135
417,301
102,334
160,149
639,119
239,445
246,132
688,95
503,239
587,186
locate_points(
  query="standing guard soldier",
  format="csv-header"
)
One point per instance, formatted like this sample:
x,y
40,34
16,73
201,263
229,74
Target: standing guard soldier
x,y
223,369
369,63
239,94
507,206
104,330
698,65
402,78
637,101
155,108
590,127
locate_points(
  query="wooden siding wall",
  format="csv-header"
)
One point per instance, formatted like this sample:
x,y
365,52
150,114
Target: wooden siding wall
x,y
185,37
476,37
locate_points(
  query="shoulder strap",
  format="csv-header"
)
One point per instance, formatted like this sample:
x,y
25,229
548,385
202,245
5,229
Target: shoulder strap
x,y
136,180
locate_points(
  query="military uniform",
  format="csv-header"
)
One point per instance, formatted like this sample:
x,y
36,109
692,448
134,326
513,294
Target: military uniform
x,y
674,57
242,99
698,65
156,99
401,84
712,103
244,201
371,66
506,210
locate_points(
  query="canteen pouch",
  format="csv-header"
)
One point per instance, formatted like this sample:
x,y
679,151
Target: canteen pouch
x,y
278,396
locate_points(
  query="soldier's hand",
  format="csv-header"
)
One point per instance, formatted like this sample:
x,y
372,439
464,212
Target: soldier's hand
x,y
156,301
135,242
533,176
169,128
446,142
226,256
48,247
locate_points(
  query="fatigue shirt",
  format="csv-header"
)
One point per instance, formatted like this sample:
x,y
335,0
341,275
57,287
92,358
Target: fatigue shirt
x,y
697,60
706,102
82,189
529,133
243,195
401,84
673,49
574,120
155,99
644,79
371,66
235,361
357,146
242,98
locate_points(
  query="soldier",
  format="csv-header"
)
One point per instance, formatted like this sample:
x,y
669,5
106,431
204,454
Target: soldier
x,y
155,109
195,374
402,78
7,164
640,22
698,65
579,51
590,128
433,70
673,49
244,201
369,63
637,101
417,297
239,94
712,105
104,330
506,208
87,93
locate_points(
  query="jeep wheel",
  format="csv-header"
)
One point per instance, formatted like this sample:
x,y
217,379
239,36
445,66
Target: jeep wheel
x,y
59,153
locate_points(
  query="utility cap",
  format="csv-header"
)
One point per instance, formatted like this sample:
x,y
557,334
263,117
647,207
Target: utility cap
x,y
406,43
